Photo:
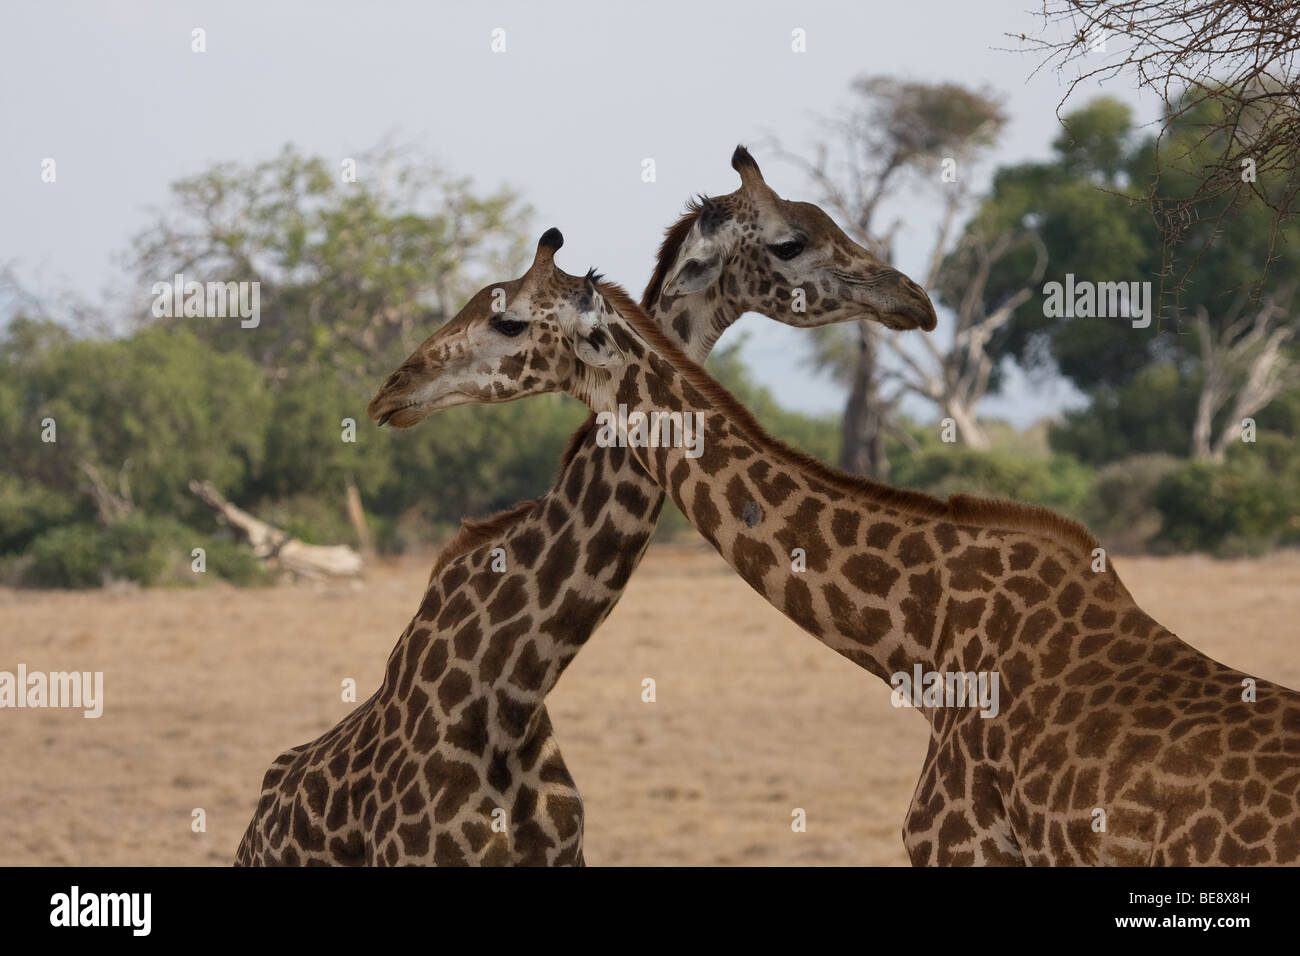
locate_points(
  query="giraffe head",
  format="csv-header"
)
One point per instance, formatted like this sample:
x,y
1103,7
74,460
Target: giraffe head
x,y
542,332
786,260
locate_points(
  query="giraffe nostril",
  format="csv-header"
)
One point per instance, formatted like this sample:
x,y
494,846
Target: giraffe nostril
x,y
399,379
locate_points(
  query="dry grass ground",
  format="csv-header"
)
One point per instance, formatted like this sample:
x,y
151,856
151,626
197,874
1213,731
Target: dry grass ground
x,y
753,717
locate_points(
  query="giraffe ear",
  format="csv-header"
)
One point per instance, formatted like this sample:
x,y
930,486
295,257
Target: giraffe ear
x,y
592,342
704,251
596,348
694,274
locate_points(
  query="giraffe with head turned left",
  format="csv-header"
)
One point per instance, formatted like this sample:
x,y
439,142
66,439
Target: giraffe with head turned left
x,y
1103,716
454,760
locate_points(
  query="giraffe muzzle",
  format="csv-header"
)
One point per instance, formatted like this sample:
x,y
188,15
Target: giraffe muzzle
x,y
893,299
396,403
400,416
412,398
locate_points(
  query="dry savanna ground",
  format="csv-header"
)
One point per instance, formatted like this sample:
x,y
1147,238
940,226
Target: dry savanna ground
x,y
753,717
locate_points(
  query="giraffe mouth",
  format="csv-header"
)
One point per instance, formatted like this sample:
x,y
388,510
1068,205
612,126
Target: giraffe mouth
x,y
892,299
388,416
407,414
383,419
403,414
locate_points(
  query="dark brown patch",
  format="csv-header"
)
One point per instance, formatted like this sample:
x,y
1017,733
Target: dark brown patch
x,y
530,670
844,528
799,605
775,489
557,565
509,601
467,640
871,574
447,852
501,644
471,731
705,514
451,782
913,549
453,689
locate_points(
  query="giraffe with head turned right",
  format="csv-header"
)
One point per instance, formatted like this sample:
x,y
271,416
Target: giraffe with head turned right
x,y
1112,741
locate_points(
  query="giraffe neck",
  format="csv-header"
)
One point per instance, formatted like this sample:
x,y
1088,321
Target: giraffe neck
x,y
785,533
696,321
861,576
567,560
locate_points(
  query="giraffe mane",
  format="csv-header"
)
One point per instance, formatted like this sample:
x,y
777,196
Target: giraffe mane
x,y
994,514
478,531
475,531
674,236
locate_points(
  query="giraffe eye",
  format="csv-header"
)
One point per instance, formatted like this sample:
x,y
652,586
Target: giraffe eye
x,y
507,326
788,249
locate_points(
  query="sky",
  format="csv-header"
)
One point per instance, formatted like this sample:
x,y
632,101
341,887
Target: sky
x,y
581,95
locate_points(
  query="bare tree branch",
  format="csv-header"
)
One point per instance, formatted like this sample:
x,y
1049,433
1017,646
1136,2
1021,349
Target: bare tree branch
x,y
1245,363
1230,66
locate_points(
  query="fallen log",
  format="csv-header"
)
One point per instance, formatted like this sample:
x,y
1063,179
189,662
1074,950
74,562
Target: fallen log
x,y
277,548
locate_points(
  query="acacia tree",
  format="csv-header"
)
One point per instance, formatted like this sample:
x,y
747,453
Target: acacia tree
x,y
893,133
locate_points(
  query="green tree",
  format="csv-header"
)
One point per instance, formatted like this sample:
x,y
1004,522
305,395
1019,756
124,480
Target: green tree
x,y
352,274
134,418
1085,203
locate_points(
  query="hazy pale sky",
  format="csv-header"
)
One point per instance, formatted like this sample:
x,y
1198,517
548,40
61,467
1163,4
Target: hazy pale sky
x,y
583,93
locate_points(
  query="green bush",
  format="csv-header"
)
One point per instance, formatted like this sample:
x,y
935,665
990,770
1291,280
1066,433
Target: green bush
x,y
312,519
145,550
235,563
1056,481
70,556
1246,505
304,451
26,510
148,550
471,461
1121,510
1150,414
148,413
